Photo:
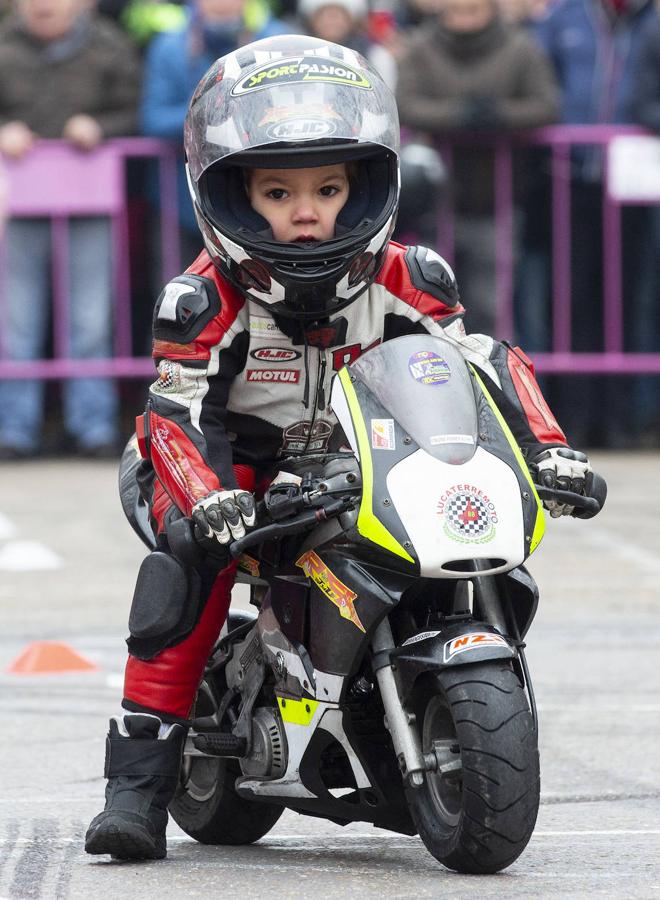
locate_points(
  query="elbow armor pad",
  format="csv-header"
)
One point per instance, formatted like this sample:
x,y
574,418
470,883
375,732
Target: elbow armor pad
x,y
430,273
185,307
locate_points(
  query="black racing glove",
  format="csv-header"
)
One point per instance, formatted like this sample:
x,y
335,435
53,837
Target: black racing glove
x,y
560,468
225,516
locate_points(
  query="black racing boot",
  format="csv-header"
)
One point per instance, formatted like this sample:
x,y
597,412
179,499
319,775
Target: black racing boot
x,y
142,771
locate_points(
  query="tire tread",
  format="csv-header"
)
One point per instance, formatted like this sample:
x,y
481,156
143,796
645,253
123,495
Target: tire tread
x,y
501,783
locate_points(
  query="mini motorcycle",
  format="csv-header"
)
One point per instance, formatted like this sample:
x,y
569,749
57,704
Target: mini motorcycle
x,y
383,677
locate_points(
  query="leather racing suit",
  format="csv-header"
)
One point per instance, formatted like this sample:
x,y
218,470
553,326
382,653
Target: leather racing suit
x,y
237,389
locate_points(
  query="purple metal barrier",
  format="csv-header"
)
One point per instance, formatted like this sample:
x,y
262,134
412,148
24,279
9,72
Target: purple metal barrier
x,y
40,186
560,140
57,182
613,360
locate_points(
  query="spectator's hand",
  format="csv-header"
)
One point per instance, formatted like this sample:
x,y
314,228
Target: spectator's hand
x,y
479,112
16,139
225,515
83,131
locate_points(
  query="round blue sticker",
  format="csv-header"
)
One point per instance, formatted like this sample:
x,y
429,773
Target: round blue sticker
x,y
428,368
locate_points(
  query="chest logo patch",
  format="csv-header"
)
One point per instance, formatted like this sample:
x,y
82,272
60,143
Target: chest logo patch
x,y
287,376
275,354
305,437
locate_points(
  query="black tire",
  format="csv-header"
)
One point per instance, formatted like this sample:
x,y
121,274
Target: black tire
x,y
207,807
479,818
205,804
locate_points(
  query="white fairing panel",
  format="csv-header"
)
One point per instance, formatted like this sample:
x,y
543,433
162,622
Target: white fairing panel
x,y
471,511
343,415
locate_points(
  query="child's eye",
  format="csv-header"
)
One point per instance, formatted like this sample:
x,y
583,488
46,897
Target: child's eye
x,y
276,194
329,190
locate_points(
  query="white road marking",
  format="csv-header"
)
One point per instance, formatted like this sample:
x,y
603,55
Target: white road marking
x,y
575,709
597,832
28,556
362,836
408,838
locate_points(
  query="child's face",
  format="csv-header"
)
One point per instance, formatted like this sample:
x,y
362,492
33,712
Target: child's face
x,y
300,204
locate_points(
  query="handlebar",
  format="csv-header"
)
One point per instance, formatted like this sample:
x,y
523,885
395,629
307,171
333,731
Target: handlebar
x,y
295,525
189,544
586,505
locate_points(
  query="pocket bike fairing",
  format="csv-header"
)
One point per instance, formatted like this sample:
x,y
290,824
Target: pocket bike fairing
x,y
383,678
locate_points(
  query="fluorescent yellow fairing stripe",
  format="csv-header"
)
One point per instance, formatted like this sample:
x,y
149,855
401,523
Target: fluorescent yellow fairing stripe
x,y
368,525
297,712
539,524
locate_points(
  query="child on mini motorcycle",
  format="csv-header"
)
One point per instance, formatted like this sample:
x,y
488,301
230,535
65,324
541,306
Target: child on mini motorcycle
x,y
292,149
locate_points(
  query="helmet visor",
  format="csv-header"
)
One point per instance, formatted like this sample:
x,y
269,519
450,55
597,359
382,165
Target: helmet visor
x,y
288,100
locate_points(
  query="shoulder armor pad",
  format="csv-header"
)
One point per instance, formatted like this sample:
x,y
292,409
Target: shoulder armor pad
x,y
430,273
186,305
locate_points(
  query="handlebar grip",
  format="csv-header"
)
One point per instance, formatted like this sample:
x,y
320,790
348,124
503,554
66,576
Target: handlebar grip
x,y
182,542
596,488
190,546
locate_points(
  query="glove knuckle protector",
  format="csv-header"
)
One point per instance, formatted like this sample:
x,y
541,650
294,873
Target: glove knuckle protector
x,y
564,469
225,515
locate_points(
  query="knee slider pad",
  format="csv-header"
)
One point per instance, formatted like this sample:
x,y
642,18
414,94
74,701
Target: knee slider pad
x,y
166,605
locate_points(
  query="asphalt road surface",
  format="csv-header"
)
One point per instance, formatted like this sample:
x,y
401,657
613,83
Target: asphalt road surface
x,y
67,567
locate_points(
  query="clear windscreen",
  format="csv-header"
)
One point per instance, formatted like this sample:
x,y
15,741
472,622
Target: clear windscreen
x,y
425,385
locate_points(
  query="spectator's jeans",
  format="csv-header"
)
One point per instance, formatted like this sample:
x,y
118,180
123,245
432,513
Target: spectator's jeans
x,y
90,404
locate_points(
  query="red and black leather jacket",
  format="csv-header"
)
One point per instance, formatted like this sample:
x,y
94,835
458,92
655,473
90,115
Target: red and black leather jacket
x,y
238,387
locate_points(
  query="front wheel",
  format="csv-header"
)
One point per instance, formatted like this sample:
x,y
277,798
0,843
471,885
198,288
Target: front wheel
x,y
477,811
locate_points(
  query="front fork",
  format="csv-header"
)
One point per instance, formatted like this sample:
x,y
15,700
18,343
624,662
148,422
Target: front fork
x,y
399,723
490,607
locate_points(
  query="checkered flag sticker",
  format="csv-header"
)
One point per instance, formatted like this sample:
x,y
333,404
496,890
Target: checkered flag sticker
x,y
467,518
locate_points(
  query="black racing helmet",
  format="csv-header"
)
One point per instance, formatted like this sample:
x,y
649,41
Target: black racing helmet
x,y
293,101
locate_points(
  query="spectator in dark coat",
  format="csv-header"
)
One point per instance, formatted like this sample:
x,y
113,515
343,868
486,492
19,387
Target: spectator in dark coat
x,y
468,71
63,74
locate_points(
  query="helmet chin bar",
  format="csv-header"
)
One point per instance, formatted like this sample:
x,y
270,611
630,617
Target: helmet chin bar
x,y
303,296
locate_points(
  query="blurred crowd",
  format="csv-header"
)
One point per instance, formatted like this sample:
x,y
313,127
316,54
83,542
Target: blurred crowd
x,y
461,70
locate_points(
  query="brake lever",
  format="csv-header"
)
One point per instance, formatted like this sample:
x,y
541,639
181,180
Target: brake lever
x,y
304,520
569,498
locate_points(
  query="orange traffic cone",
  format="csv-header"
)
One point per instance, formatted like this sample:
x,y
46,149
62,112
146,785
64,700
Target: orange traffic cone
x,y
49,657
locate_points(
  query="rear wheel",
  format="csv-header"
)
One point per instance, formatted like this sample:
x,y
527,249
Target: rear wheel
x,y
477,812
205,805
